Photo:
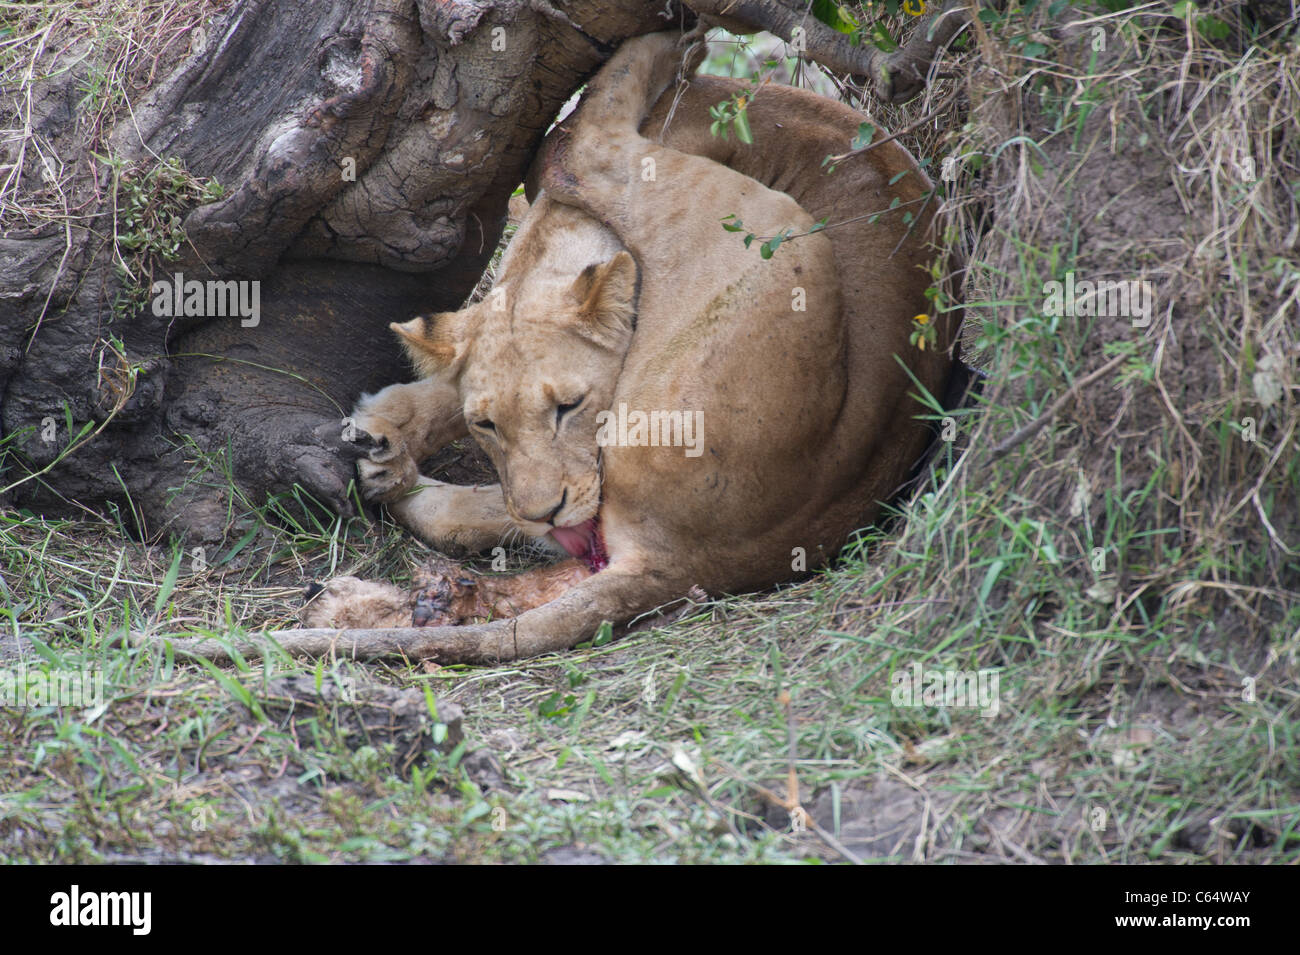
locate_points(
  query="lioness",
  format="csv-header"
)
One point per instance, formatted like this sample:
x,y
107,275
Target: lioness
x,y
622,294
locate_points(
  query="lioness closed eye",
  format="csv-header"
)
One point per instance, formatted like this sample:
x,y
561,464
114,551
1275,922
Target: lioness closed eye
x,y
664,406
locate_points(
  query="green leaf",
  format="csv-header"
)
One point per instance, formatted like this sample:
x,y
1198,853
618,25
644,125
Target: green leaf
x,y
243,542
833,15
600,768
454,757
863,139
43,649
603,635
1212,28
742,128
580,714
556,705
233,687
169,582
881,38
990,578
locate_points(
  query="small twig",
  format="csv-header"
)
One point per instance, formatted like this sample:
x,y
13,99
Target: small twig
x,y
835,844
1028,431
794,804
792,775
866,215
894,135
907,68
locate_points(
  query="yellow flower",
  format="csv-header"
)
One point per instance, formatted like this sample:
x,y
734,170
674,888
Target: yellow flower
x,y
920,319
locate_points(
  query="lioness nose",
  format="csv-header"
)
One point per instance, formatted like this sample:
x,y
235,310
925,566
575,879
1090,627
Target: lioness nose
x,y
550,515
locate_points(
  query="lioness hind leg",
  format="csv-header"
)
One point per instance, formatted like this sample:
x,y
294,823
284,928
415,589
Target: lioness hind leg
x,y
446,593
473,518
624,91
614,594
600,146
442,593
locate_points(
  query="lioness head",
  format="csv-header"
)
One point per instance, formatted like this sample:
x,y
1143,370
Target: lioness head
x,y
535,361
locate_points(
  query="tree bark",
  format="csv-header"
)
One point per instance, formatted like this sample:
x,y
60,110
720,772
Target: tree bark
x,y
437,107
367,152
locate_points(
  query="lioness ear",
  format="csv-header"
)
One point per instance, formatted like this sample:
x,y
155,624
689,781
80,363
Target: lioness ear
x,y
608,296
430,341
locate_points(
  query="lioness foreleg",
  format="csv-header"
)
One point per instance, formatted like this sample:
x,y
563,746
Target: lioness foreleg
x,y
473,518
405,423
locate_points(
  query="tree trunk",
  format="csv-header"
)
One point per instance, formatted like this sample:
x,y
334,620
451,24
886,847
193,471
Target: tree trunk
x,y
367,152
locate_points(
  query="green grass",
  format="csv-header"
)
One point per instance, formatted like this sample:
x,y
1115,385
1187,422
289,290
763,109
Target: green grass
x,y
186,762
1111,569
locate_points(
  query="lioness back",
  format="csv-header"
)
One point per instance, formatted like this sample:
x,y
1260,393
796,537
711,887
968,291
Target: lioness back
x,y
816,476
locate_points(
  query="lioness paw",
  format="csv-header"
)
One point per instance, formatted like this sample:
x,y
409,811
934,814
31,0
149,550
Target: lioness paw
x,y
386,467
387,481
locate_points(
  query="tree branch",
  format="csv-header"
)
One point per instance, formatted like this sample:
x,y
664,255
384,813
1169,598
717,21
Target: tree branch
x,y
894,77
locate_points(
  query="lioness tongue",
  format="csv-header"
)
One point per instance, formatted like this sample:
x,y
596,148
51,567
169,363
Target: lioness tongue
x,y
576,539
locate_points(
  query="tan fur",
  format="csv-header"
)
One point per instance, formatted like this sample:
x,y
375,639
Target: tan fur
x,y
441,592
807,420
349,603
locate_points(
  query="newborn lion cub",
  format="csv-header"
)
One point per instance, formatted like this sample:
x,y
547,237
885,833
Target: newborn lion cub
x,y
663,404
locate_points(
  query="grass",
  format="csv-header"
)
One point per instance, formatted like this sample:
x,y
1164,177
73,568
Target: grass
x,y
1129,572
188,764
